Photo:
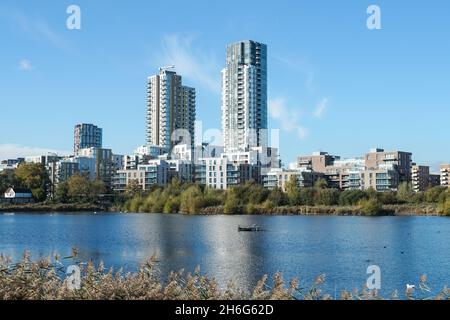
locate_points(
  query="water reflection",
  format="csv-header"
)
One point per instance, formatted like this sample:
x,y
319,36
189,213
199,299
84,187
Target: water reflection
x,y
303,247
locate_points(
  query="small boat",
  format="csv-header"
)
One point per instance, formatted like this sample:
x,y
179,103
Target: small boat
x,y
249,229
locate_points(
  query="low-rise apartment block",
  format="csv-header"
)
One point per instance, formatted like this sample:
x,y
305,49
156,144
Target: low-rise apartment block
x,y
445,175
398,160
154,173
229,170
278,178
318,161
420,178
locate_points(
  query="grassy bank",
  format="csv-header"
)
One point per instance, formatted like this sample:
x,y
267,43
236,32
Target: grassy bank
x,y
46,280
53,207
386,210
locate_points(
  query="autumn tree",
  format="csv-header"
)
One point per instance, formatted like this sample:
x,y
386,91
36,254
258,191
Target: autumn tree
x,y
293,191
33,176
78,188
5,183
133,189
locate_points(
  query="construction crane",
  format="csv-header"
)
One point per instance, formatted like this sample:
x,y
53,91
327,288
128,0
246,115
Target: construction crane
x,y
166,68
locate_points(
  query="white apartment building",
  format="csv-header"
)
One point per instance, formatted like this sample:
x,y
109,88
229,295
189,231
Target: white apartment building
x,y
278,178
244,96
155,173
170,111
445,175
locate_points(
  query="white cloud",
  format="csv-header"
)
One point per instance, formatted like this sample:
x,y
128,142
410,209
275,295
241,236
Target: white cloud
x,y
25,65
12,151
288,118
193,64
320,108
39,29
301,66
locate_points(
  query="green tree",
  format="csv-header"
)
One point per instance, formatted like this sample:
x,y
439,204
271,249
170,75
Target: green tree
x,y
96,188
191,200
371,207
133,189
5,183
62,192
321,184
327,197
444,203
213,197
277,197
33,176
172,205
307,196
405,192
254,193
351,197
293,191
371,193
388,197
232,204
432,194
79,188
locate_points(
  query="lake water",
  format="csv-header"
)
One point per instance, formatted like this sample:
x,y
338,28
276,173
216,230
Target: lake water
x,y
304,247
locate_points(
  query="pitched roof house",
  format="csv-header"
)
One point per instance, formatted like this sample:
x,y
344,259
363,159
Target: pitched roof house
x,y
18,195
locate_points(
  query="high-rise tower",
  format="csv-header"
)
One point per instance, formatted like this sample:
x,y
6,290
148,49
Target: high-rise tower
x,y
170,108
86,136
244,96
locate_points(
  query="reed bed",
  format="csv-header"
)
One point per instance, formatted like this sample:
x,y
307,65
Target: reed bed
x,y
46,280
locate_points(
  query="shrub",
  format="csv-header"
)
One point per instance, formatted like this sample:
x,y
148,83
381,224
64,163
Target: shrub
x,y
277,197
172,205
327,197
307,196
405,192
232,205
371,207
444,203
432,195
351,197
191,200
251,209
134,204
213,197
388,197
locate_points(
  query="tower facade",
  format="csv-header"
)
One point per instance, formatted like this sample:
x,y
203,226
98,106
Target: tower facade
x,y
86,136
244,96
170,110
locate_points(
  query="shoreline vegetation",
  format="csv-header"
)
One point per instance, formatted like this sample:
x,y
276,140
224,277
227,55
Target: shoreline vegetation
x,y
47,280
79,193
250,199
387,210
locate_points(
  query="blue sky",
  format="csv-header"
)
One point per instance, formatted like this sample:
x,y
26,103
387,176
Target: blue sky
x,y
333,84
